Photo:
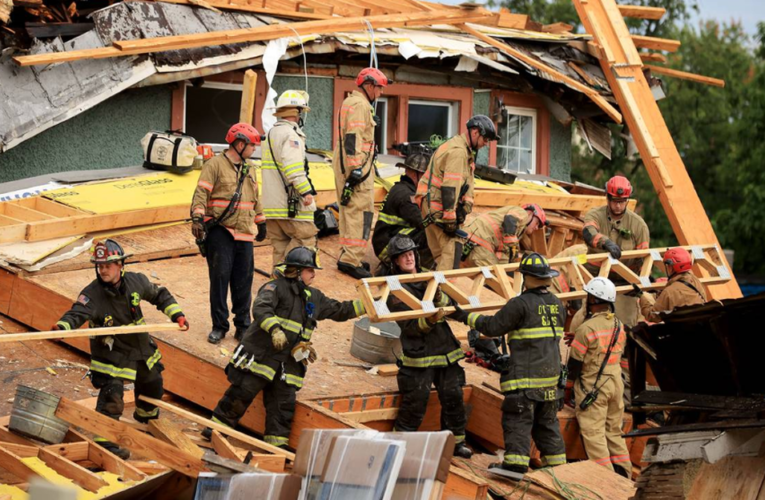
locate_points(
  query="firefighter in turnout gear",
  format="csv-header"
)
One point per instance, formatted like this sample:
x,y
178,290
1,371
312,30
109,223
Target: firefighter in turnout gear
x,y
595,379
531,378
615,229
225,211
401,215
114,299
353,161
494,237
445,192
288,202
430,356
683,288
276,349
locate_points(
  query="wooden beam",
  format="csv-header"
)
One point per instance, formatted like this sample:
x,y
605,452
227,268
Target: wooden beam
x,y
76,452
706,80
225,5
259,34
564,202
372,415
9,437
89,332
652,57
168,432
129,438
511,20
47,206
13,464
560,77
108,461
24,213
649,42
638,12
222,447
247,108
78,474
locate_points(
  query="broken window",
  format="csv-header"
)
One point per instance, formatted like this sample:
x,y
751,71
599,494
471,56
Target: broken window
x,y
210,110
427,118
516,147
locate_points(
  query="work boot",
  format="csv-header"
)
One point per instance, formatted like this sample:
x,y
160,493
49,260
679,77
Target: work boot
x,y
461,450
114,449
518,469
216,336
144,419
353,272
622,472
207,433
239,334
366,266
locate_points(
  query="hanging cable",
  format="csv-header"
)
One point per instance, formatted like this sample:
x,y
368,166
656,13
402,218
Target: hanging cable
x,y
372,50
305,63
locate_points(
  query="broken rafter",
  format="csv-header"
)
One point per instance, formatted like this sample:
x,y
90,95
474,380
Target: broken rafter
x,y
262,33
684,75
653,43
224,5
652,57
639,12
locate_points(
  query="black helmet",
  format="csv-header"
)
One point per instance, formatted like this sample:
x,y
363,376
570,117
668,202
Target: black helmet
x,y
108,251
399,245
415,161
537,266
485,127
302,257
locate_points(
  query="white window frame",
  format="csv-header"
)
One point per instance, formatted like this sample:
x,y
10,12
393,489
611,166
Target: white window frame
x,y
532,113
452,106
384,126
211,85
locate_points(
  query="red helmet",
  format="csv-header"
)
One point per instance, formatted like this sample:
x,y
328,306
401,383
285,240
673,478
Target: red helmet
x,y
618,187
677,260
372,75
537,211
245,132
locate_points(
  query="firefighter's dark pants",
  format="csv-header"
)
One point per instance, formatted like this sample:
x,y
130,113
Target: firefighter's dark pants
x,y
414,385
229,262
278,398
524,418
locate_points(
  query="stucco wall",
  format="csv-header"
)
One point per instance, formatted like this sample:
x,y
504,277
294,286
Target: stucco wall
x,y
318,123
106,136
481,102
560,150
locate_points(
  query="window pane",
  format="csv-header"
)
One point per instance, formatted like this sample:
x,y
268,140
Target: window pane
x,y
210,113
524,160
507,158
426,120
527,124
382,112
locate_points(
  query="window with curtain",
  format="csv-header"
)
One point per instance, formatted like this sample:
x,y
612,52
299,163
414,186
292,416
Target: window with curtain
x,y
516,147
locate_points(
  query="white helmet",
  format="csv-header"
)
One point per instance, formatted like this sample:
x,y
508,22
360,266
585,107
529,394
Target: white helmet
x,y
601,288
293,99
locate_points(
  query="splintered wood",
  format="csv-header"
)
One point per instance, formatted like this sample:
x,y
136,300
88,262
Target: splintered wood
x,y
491,287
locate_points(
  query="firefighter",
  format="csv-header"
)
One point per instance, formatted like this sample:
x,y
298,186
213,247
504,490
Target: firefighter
x,y
354,164
276,349
683,288
226,228
401,215
445,192
494,237
615,229
288,202
430,356
531,377
114,299
595,379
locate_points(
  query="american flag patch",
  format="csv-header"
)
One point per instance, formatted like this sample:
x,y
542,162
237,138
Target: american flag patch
x,y
82,299
295,144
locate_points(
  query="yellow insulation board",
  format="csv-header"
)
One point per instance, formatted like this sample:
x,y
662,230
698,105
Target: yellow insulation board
x,y
115,483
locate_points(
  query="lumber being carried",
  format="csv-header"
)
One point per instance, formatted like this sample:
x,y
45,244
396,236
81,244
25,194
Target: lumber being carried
x,y
489,288
91,332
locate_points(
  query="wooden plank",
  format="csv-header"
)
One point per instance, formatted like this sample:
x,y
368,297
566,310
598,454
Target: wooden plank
x,y
739,478
387,370
684,75
49,207
165,430
259,34
13,464
270,463
25,214
129,438
573,202
261,445
511,20
223,448
372,415
653,43
652,57
249,87
639,12
22,451
90,332
9,437
238,7
78,474
9,221
76,452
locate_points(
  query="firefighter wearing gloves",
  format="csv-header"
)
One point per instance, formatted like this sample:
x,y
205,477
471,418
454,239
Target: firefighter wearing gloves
x,y
401,215
354,164
494,237
595,379
445,192
276,349
683,288
288,202
531,378
615,229
225,211
114,299
430,356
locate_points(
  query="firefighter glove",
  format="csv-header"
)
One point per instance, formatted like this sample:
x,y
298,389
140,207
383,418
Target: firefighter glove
x,y
438,317
198,229
304,353
182,322
568,338
635,292
450,228
278,339
613,249
261,232
459,314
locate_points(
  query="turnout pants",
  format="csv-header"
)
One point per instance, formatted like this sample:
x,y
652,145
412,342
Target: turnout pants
x,y
523,419
601,426
229,262
414,385
355,218
442,247
278,398
287,234
480,257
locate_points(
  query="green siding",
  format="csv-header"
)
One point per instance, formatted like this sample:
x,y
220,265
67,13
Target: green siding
x,y
560,150
318,121
106,136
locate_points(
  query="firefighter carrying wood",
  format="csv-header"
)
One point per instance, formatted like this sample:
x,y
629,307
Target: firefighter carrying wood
x,y
531,379
494,237
430,356
683,288
594,386
401,215
114,299
615,229
445,192
354,164
276,349
288,202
